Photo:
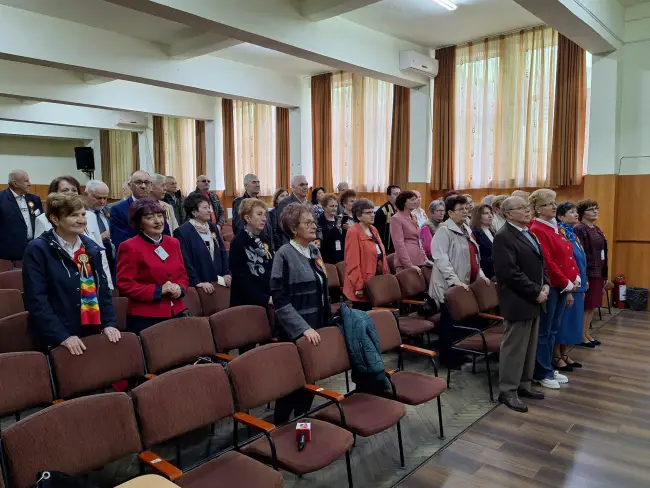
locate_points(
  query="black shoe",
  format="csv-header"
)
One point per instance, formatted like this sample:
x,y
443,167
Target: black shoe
x,y
513,403
575,364
566,368
534,395
596,343
589,345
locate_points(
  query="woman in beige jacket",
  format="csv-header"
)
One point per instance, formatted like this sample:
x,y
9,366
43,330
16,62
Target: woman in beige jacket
x,y
456,262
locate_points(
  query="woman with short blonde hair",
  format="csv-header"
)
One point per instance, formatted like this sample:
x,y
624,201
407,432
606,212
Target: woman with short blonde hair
x,y
498,220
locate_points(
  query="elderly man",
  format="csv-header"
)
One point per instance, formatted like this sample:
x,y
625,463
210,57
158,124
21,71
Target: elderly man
x,y
218,214
252,190
120,230
523,287
98,216
174,197
18,212
158,193
299,190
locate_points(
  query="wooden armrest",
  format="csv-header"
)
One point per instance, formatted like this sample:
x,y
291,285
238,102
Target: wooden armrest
x,y
413,302
149,376
394,310
418,350
56,402
390,372
325,393
222,356
489,316
159,464
263,425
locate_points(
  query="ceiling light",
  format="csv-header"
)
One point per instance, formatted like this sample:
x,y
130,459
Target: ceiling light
x,y
449,5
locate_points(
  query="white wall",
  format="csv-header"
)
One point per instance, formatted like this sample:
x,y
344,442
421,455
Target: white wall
x,y
421,118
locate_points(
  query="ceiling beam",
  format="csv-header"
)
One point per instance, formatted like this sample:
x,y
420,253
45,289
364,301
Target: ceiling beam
x,y
278,25
199,45
317,10
12,128
92,79
27,37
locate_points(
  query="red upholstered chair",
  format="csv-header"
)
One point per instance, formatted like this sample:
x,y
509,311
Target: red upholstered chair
x,y
182,401
488,305
193,302
268,373
238,327
12,280
216,302
6,265
120,305
390,259
360,413
75,437
11,302
14,334
408,387
340,269
413,288
334,285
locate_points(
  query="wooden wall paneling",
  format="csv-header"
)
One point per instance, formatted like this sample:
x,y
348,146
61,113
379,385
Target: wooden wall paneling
x,y
632,223
38,190
632,259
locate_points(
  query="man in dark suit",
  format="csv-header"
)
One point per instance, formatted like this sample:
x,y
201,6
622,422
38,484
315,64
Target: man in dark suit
x,y
523,287
299,190
119,228
252,186
383,215
18,212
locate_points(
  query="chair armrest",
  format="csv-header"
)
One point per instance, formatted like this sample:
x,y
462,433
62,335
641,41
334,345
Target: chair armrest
x,y
390,372
325,393
260,424
149,376
159,464
413,302
418,350
56,402
221,356
394,310
489,316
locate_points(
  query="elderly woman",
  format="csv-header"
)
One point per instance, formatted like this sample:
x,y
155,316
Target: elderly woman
x,y
564,276
333,234
150,269
204,253
481,224
455,256
365,255
66,288
405,234
346,200
427,231
251,257
470,207
300,296
317,195
570,332
418,212
498,221
595,245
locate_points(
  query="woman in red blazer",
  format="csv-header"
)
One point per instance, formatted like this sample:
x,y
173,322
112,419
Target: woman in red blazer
x,y
365,255
150,269
564,275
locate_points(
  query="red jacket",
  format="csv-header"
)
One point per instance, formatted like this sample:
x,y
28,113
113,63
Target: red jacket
x,y
558,254
361,260
141,273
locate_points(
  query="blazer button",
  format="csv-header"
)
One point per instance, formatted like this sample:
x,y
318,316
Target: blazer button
x,y
78,289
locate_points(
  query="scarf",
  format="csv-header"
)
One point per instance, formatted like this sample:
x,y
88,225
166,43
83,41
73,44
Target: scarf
x,y
567,231
89,303
205,230
433,226
261,248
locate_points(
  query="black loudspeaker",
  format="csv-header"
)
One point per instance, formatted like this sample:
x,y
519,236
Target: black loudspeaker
x,y
85,158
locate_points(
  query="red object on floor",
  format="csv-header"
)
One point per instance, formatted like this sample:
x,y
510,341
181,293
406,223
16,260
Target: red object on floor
x,y
121,386
620,289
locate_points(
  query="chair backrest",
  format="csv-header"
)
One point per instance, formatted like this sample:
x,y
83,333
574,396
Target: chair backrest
x,y
383,290
485,294
266,373
74,437
390,259
182,400
18,264
176,342
241,326
387,329
461,303
120,305
14,333
216,302
228,237
11,302
426,273
24,381
102,364
327,359
12,280
411,283
340,268
6,265
333,281
193,302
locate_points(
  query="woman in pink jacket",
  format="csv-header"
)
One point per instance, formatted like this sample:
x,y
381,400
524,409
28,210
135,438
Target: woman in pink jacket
x,y
405,234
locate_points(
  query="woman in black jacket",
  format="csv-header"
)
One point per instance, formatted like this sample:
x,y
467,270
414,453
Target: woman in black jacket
x,y
332,245
481,224
251,257
66,290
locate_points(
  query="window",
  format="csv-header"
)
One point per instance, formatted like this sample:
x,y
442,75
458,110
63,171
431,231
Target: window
x,y
180,151
585,158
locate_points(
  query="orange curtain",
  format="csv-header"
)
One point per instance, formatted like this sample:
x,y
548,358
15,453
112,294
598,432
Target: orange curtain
x,y
444,120
321,130
228,121
282,154
201,164
135,147
400,146
570,114
159,145
105,153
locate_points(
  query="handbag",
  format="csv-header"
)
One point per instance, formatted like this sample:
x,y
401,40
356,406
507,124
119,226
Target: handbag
x,y
429,308
57,479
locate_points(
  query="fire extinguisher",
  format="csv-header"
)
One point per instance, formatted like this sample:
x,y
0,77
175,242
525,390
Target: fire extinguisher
x,y
620,291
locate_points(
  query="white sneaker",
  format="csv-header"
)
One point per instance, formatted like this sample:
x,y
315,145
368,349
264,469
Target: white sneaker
x,y
549,383
560,378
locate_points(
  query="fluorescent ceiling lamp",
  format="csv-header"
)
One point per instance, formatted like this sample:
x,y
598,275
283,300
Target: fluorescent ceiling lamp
x,y
449,5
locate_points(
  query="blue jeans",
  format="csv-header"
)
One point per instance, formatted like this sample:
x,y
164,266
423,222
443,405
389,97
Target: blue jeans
x,y
549,325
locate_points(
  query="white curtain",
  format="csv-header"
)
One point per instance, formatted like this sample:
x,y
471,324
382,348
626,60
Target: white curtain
x,y
505,94
255,144
180,152
362,116
122,163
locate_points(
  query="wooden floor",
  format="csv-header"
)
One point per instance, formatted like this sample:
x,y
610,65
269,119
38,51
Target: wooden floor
x,y
594,432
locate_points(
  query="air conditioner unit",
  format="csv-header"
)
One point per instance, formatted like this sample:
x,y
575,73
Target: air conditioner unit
x,y
418,63
133,122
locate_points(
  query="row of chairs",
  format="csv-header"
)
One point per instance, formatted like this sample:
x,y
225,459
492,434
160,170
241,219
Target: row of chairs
x,y
8,265
278,370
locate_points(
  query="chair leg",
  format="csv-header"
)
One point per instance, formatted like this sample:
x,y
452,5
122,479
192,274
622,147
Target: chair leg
x,y
347,382
449,378
489,373
442,432
609,303
349,467
401,446
600,314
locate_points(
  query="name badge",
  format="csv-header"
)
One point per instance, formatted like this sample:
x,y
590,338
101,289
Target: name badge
x,y
162,254
378,249
337,245
602,255
221,281
37,212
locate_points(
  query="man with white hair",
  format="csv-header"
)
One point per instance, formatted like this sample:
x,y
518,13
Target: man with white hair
x,y
218,213
299,190
158,193
174,197
120,230
96,196
18,212
252,186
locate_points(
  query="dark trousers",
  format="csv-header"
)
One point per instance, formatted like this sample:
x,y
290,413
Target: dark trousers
x,y
137,323
364,306
299,402
446,338
549,325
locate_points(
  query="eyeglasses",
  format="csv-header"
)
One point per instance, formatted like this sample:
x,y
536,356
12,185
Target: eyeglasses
x,y
204,181
309,223
368,212
515,209
142,183
591,209
550,204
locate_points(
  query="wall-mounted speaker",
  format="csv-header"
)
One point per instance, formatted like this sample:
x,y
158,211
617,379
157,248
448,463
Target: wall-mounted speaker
x,y
85,158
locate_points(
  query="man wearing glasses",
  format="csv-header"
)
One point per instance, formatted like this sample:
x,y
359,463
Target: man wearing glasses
x,y
120,230
218,215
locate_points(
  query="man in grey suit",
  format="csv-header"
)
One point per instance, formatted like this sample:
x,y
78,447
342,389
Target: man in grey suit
x,y
523,287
